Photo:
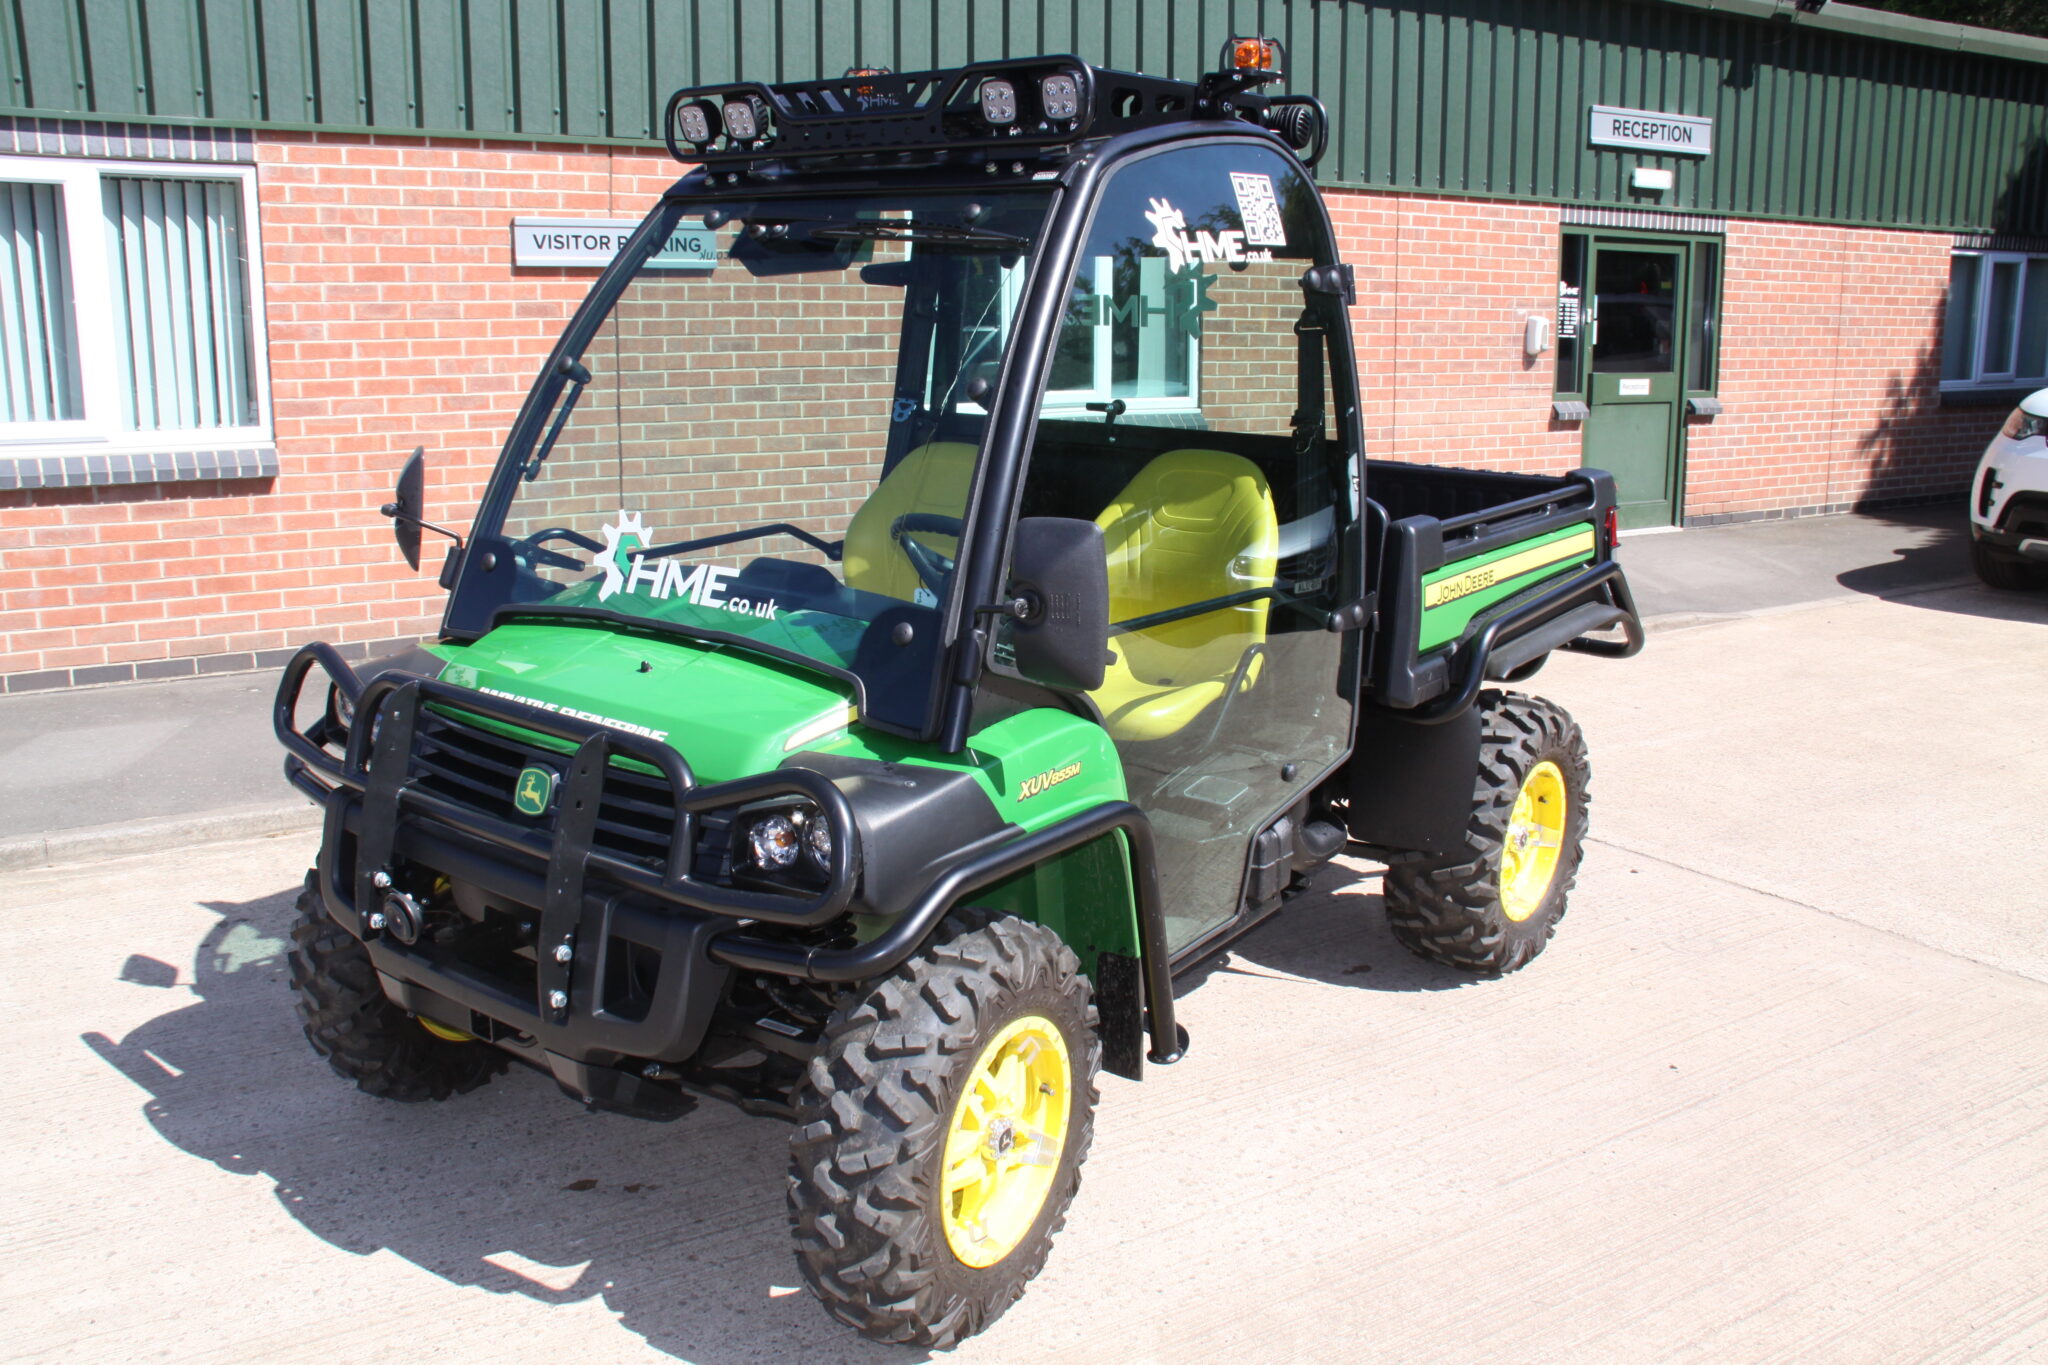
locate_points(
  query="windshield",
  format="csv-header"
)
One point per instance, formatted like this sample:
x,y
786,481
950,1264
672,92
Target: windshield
x,y
773,432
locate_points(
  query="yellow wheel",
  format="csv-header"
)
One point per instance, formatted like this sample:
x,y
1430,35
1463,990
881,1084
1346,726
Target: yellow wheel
x,y
443,1032
1535,835
1003,1149
940,1130
1491,906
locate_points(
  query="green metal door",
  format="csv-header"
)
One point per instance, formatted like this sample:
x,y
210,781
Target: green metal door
x,y
1634,384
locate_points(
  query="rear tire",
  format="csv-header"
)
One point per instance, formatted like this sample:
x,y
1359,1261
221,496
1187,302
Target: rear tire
x,y
363,1036
885,1132
1461,910
2000,570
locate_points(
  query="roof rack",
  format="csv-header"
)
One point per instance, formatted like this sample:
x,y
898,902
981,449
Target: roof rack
x,y
1010,108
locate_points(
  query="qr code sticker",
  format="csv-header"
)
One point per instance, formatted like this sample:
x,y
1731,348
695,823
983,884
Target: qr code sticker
x,y
1259,210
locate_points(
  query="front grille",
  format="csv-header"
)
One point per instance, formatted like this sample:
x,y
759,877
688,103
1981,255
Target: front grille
x,y
2026,514
478,769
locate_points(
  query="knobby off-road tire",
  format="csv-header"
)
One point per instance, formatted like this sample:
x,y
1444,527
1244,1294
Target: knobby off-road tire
x,y
363,1036
1452,910
1998,570
867,1199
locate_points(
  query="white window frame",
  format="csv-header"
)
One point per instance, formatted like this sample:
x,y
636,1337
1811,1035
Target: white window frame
x,y
1981,378
102,430
1074,402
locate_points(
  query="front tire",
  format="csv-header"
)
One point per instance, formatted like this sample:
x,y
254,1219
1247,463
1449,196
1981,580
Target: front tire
x,y
1491,907
363,1036
1999,570
941,1129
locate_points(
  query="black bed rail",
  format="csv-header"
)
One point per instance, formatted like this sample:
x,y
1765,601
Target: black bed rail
x,y
1599,584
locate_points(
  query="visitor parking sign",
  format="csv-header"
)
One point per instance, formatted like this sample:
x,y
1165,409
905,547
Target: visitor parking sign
x,y
586,242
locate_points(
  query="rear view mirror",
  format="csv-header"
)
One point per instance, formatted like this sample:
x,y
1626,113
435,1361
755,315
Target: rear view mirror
x,y
409,508
1059,625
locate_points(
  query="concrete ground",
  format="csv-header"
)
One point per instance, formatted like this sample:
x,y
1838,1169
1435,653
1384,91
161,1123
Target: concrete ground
x,y
1776,1093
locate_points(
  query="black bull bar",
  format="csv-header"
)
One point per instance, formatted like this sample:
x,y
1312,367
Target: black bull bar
x,y
588,896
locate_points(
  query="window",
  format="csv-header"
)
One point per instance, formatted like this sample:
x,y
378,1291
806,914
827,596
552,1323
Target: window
x,y
1126,335
1571,309
130,308
1996,331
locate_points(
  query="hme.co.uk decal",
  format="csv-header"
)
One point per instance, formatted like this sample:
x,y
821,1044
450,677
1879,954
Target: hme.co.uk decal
x,y
1184,249
702,585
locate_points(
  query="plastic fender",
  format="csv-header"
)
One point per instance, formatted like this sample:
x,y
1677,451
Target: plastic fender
x,y
1045,766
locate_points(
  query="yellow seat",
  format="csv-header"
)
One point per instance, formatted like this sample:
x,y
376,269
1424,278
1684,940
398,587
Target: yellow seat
x,y
1193,526
932,478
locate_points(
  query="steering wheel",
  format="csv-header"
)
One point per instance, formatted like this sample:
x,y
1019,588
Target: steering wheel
x,y
529,548
932,567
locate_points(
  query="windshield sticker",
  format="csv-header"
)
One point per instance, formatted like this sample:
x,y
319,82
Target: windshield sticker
x,y
1257,207
1184,249
702,585
628,535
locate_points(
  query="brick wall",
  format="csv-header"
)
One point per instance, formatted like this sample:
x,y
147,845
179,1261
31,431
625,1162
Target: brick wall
x,y
395,319
1444,286
1830,356
1830,374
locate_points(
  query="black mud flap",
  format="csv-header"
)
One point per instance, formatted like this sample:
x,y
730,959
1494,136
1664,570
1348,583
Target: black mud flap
x,y
1410,785
1120,1011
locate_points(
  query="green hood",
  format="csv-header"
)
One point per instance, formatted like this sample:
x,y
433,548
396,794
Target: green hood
x,y
729,712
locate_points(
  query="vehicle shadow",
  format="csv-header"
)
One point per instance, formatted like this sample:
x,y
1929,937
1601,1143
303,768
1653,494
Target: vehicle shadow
x,y
678,1228
1933,554
1335,932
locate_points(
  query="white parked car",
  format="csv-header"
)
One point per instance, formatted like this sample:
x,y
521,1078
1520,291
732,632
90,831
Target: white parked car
x,y
2009,500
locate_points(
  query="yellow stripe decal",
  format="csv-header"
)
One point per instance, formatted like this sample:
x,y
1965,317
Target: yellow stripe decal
x,y
1501,570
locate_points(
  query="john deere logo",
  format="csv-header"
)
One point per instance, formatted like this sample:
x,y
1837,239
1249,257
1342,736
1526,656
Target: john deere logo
x,y
536,787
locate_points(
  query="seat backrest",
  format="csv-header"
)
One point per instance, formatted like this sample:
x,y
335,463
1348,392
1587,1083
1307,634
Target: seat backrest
x,y
932,478
1193,525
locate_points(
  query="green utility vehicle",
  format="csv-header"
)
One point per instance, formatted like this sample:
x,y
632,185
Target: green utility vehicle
x,y
934,591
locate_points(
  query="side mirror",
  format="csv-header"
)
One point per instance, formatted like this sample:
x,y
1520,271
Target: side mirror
x,y
1059,625
408,510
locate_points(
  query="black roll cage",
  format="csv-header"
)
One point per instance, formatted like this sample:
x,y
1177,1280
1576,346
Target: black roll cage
x,y
1012,406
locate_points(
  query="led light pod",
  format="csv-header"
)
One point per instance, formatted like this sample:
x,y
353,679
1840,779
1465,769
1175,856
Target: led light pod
x,y
1061,96
695,121
742,118
998,101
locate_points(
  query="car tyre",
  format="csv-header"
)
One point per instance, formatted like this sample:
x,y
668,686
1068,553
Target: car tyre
x,y
2000,570
364,1037
1492,906
895,1108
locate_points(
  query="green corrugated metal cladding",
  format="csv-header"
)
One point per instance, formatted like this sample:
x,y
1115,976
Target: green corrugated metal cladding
x,y
1484,97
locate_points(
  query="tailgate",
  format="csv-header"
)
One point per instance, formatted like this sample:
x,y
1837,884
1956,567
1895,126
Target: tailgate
x,y
1479,595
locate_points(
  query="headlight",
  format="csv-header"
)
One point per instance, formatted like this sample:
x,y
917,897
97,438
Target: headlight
x,y
818,841
2023,424
774,841
341,714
